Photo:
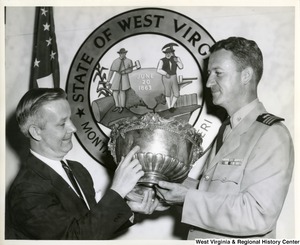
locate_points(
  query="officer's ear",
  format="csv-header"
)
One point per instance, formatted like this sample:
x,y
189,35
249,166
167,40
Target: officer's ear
x,y
35,132
247,75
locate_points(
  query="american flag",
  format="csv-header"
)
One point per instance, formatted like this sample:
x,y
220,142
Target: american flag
x,y
45,66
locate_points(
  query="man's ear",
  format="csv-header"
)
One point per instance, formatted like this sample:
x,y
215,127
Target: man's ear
x,y
35,132
247,75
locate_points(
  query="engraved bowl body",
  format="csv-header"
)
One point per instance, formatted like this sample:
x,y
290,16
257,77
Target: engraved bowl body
x,y
168,148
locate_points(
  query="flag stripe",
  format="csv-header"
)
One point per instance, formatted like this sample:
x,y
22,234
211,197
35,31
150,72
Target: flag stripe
x,y
45,54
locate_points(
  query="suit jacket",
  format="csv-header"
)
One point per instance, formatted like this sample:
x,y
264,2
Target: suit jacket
x,y
41,205
244,186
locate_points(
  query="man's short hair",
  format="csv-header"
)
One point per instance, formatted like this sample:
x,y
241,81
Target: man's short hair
x,y
245,52
27,112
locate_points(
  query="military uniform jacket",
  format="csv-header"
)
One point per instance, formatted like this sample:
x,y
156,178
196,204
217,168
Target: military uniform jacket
x,y
41,205
244,186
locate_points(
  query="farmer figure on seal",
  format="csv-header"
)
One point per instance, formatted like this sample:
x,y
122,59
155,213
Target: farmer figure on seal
x,y
121,67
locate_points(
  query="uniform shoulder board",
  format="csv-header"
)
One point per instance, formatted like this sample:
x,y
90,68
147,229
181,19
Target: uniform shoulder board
x,y
268,119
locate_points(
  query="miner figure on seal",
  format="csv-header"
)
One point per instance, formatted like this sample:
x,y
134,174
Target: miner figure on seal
x,y
167,67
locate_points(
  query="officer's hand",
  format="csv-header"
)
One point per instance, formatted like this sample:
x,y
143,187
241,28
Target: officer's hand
x,y
171,193
168,75
127,174
147,206
162,206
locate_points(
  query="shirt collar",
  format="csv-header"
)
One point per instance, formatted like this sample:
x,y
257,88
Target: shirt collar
x,y
44,159
57,167
238,116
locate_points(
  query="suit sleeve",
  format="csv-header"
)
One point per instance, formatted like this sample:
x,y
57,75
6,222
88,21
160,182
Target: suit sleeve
x,y
256,208
38,214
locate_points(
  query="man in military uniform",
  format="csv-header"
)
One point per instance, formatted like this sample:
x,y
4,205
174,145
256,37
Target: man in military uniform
x,y
246,177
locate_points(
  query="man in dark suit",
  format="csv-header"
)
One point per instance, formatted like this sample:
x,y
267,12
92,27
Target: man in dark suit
x,y
53,198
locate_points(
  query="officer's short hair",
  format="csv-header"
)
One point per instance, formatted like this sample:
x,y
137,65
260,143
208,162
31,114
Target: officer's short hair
x,y
27,112
246,53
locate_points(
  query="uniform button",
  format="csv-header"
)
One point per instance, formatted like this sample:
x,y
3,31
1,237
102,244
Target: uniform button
x,y
206,177
191,230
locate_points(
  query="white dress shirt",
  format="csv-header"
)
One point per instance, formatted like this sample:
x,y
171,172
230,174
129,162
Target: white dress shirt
x,y
57,167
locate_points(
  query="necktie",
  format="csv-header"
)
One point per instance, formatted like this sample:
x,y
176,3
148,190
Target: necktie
x,y
221,134
72,178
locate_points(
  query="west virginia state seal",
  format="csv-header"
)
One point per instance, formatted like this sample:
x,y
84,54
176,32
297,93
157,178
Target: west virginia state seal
x,y
140,61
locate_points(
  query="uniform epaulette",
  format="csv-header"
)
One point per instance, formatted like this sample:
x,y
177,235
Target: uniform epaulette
x,y
268,119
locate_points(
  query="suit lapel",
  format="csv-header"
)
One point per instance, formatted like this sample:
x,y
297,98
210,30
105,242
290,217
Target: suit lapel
x,y
232,142
83,182
44,171
47,173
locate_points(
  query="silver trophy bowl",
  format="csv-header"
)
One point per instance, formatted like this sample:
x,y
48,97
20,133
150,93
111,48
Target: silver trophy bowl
x,y
168,149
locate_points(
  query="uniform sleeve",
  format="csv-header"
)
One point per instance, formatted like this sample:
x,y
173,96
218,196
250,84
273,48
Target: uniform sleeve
x,y
256,208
